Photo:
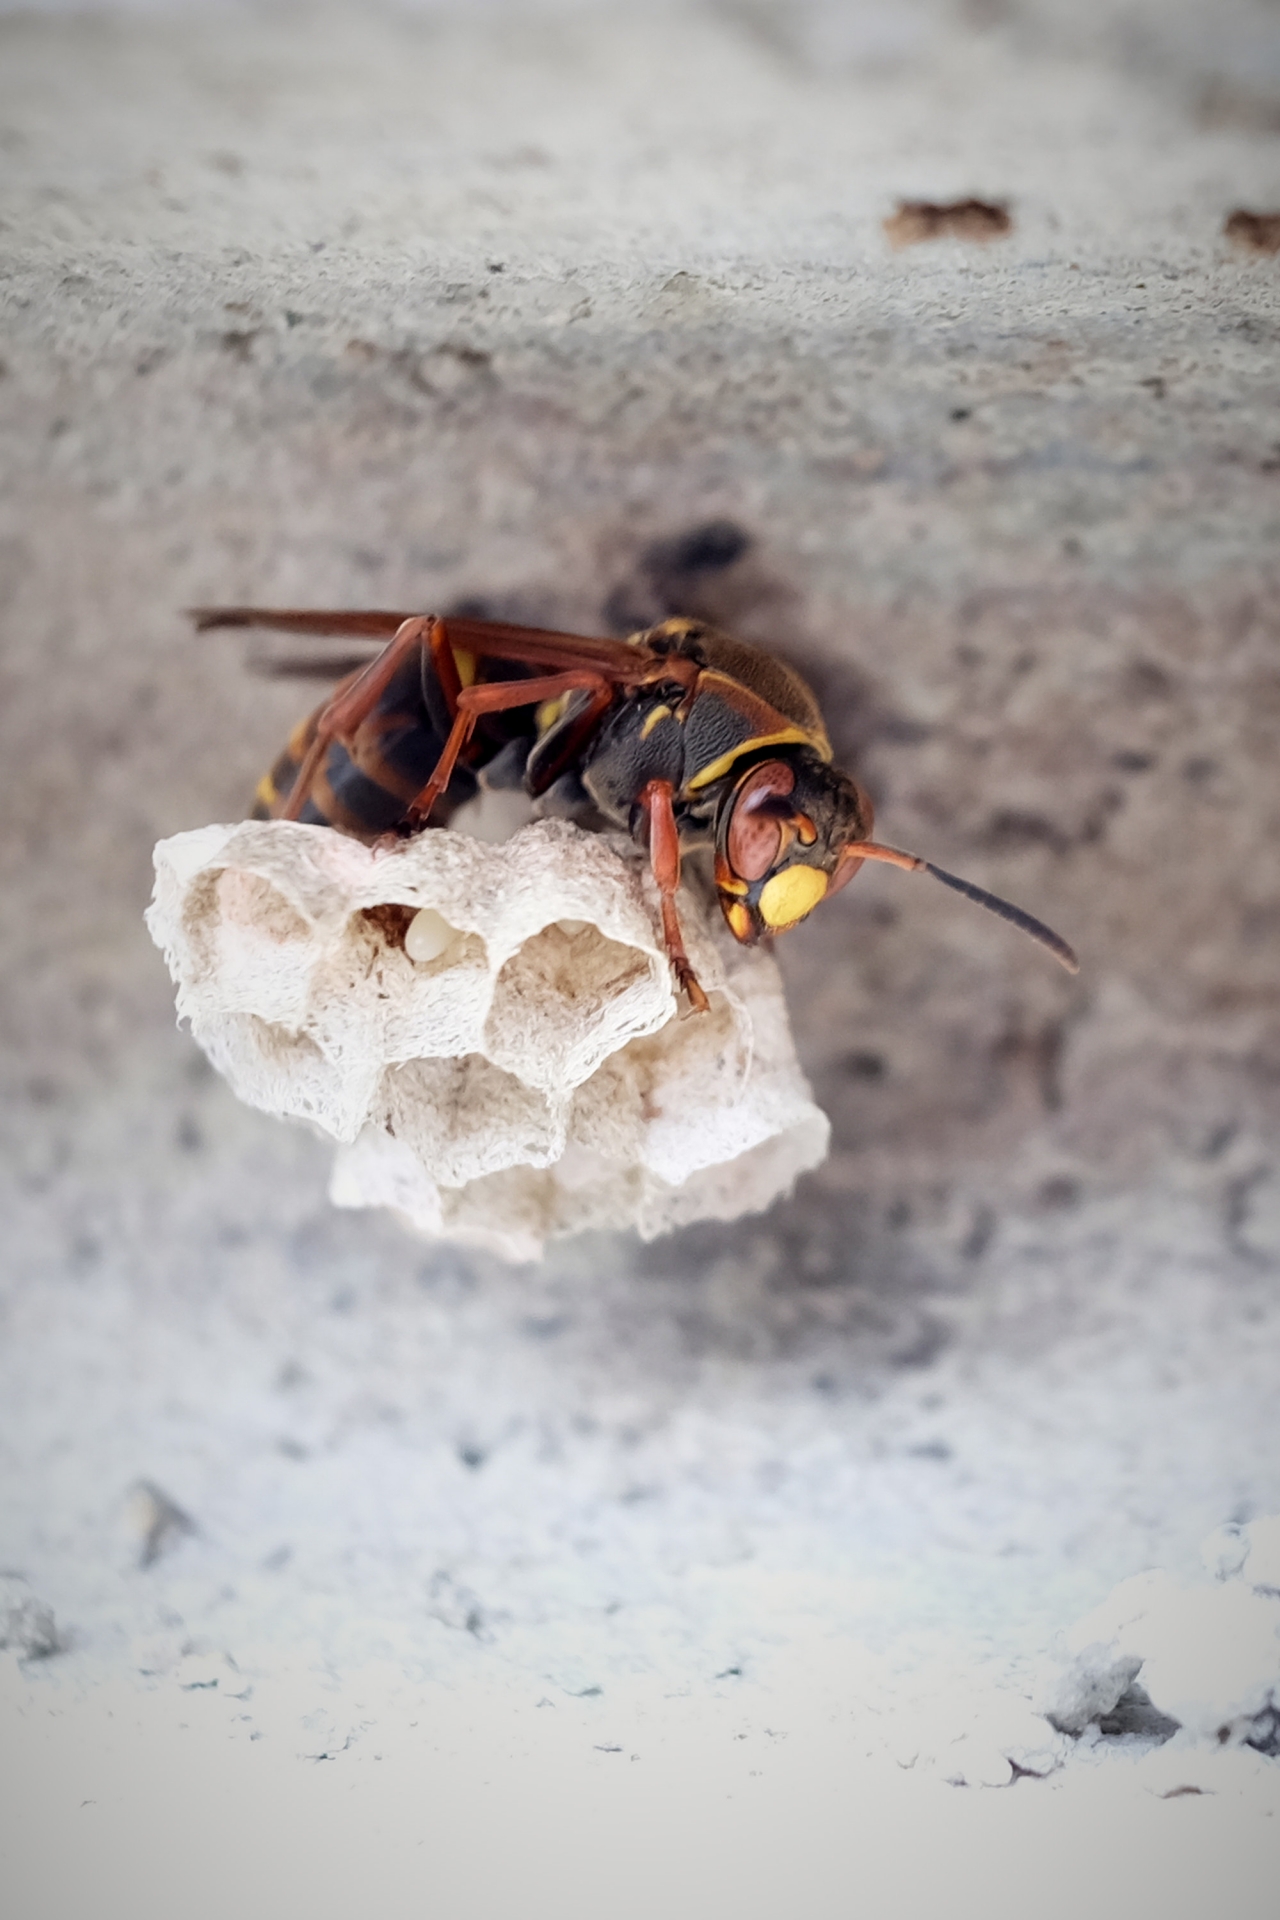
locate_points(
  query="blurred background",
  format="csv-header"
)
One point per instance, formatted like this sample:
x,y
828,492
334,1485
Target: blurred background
x,y
586,315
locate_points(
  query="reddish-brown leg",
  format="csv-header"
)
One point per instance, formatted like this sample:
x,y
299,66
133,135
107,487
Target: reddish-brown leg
x,y
664,857
446,666
498,696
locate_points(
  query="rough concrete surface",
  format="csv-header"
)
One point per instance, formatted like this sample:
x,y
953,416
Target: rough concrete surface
x,y
359,1573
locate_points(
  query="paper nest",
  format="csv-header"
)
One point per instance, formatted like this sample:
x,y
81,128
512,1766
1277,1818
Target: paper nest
x,y
490,1032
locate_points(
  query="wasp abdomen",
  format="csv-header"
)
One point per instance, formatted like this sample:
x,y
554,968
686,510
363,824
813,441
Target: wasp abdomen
x,y
364,787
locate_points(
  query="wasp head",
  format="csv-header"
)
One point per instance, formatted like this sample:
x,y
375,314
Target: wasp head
x,y
784,841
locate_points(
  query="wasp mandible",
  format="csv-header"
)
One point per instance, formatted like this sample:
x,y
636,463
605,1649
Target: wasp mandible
x,y
682,735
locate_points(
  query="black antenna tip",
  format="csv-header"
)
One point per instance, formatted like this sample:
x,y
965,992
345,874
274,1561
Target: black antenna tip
x,y
1045,936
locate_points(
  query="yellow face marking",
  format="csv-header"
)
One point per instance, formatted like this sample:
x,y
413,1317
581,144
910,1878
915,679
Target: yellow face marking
x,y
739,919
791,894
265,792
659,713
789,737
549,712
466,664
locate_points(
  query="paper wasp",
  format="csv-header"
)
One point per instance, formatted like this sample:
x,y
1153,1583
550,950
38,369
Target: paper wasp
x,y
681,735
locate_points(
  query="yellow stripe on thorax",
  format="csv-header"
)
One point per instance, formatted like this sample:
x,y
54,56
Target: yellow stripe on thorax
x,y
788,737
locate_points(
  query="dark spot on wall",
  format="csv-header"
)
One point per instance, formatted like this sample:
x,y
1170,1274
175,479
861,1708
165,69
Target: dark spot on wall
x,y
1010,827
980,1235
1258,232
160,1521
928,1344
896,730
1037,1053
1094,825
972,220
1134,1713
672,575
864,1066
1264,1733
1058,1194
1128,760
1145,680
704,549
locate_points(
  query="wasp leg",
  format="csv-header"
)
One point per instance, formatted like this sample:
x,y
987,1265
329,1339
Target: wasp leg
x,y
664,858
495,698
445,664
352,704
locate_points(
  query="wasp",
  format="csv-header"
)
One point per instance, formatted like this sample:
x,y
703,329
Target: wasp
x,y
681,735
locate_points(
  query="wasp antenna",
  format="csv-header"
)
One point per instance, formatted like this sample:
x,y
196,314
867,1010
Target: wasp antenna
x,y
1003,909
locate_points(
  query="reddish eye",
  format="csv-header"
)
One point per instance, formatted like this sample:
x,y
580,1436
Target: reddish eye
x,y
755,841
756,828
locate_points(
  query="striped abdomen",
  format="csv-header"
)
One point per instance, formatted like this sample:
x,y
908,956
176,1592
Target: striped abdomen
x,y
366,788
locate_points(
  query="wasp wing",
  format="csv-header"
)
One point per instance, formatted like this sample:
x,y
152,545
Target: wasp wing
x,y
370,624
486,639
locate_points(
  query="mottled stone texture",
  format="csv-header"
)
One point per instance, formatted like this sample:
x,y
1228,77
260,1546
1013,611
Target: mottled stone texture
x,y
414,310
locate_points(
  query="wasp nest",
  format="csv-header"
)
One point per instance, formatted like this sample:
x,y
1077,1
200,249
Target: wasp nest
x,y
490,1032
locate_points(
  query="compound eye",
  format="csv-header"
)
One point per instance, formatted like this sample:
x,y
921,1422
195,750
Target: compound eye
x,y
755,839
755,843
